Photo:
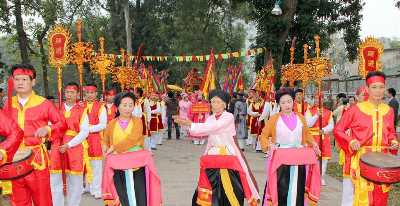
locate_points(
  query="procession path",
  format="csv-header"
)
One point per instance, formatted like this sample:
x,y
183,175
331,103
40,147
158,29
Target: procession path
x,y
177,163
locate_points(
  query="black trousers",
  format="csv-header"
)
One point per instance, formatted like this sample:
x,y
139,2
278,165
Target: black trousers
x,y
283,182
170,122
219,197
139,178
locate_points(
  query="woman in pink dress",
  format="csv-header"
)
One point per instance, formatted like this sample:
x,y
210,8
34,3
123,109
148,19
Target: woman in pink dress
x,y
184,106
225,179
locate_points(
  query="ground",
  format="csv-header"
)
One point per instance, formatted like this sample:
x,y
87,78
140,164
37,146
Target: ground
x,y
178,166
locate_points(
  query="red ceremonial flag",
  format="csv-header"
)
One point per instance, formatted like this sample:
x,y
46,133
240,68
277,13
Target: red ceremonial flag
x,y
208,82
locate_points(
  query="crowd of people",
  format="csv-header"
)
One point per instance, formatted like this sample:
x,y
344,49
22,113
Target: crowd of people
x,y
104,148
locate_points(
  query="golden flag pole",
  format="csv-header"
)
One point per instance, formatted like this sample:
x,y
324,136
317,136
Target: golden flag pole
x,y
59,38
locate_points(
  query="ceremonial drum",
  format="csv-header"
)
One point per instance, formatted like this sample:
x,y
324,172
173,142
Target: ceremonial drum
x,y
380,167
19,167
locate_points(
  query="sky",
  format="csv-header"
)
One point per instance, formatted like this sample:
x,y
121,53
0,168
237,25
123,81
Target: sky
x,y
380,19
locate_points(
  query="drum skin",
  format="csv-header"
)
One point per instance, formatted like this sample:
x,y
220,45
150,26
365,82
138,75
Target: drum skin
x,y
19,167
380,167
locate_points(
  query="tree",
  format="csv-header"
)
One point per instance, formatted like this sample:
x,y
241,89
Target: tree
x,y
303,19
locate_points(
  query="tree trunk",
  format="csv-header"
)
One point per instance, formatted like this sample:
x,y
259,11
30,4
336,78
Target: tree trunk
x,y
289,9
22,39
43,56
128,28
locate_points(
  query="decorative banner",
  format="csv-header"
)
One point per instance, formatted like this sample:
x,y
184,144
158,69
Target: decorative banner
x,y
198,58
58,45
369,52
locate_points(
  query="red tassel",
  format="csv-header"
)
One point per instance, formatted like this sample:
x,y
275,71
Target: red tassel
x,y
194,59
220,57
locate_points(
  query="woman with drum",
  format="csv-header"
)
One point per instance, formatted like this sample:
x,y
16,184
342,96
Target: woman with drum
x,y
129,177
371,130
292,163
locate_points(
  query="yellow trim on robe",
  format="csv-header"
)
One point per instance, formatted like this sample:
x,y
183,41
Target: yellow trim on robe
x,y
33,101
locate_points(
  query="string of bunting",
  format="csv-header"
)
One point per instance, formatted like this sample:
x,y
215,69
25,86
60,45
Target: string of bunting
x,y
197,58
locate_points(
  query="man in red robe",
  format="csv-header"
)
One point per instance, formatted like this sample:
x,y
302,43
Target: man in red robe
x,y
11,136
299,105
72,146
315,117
371,129
198,113
33,114
97,115
110,107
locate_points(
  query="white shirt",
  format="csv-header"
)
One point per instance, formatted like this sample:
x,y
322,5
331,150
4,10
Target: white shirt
x,y
102,122
312,119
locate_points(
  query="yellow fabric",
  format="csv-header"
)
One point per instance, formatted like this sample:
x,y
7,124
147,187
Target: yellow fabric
x,y
361,186
341,157
3,156
67,114
226,182
120,134
33,101
6,187
86,162
377,113
71,133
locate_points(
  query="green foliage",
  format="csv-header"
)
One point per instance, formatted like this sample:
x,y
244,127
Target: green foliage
x,y
165,27
303,19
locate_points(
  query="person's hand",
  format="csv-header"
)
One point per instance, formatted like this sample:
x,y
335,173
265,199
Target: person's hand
x,y
394,145
110,150
63,148
316,149
41,132
355,145
183,122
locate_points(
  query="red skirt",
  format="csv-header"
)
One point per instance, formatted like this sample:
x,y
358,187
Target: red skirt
x,y
95,151
326,150
154,124
160,124
73,158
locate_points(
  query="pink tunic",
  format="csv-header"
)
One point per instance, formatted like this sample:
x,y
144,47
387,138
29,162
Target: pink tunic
x,y
221,133
184,107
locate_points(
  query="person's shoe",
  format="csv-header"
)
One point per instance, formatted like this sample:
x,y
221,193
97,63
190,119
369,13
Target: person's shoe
x,y
154,148
258,151
323,183
178,138
97,197
242,150
169,138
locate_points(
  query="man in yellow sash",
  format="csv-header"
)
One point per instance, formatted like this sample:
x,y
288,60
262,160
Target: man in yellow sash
x,y
74,149
371,129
